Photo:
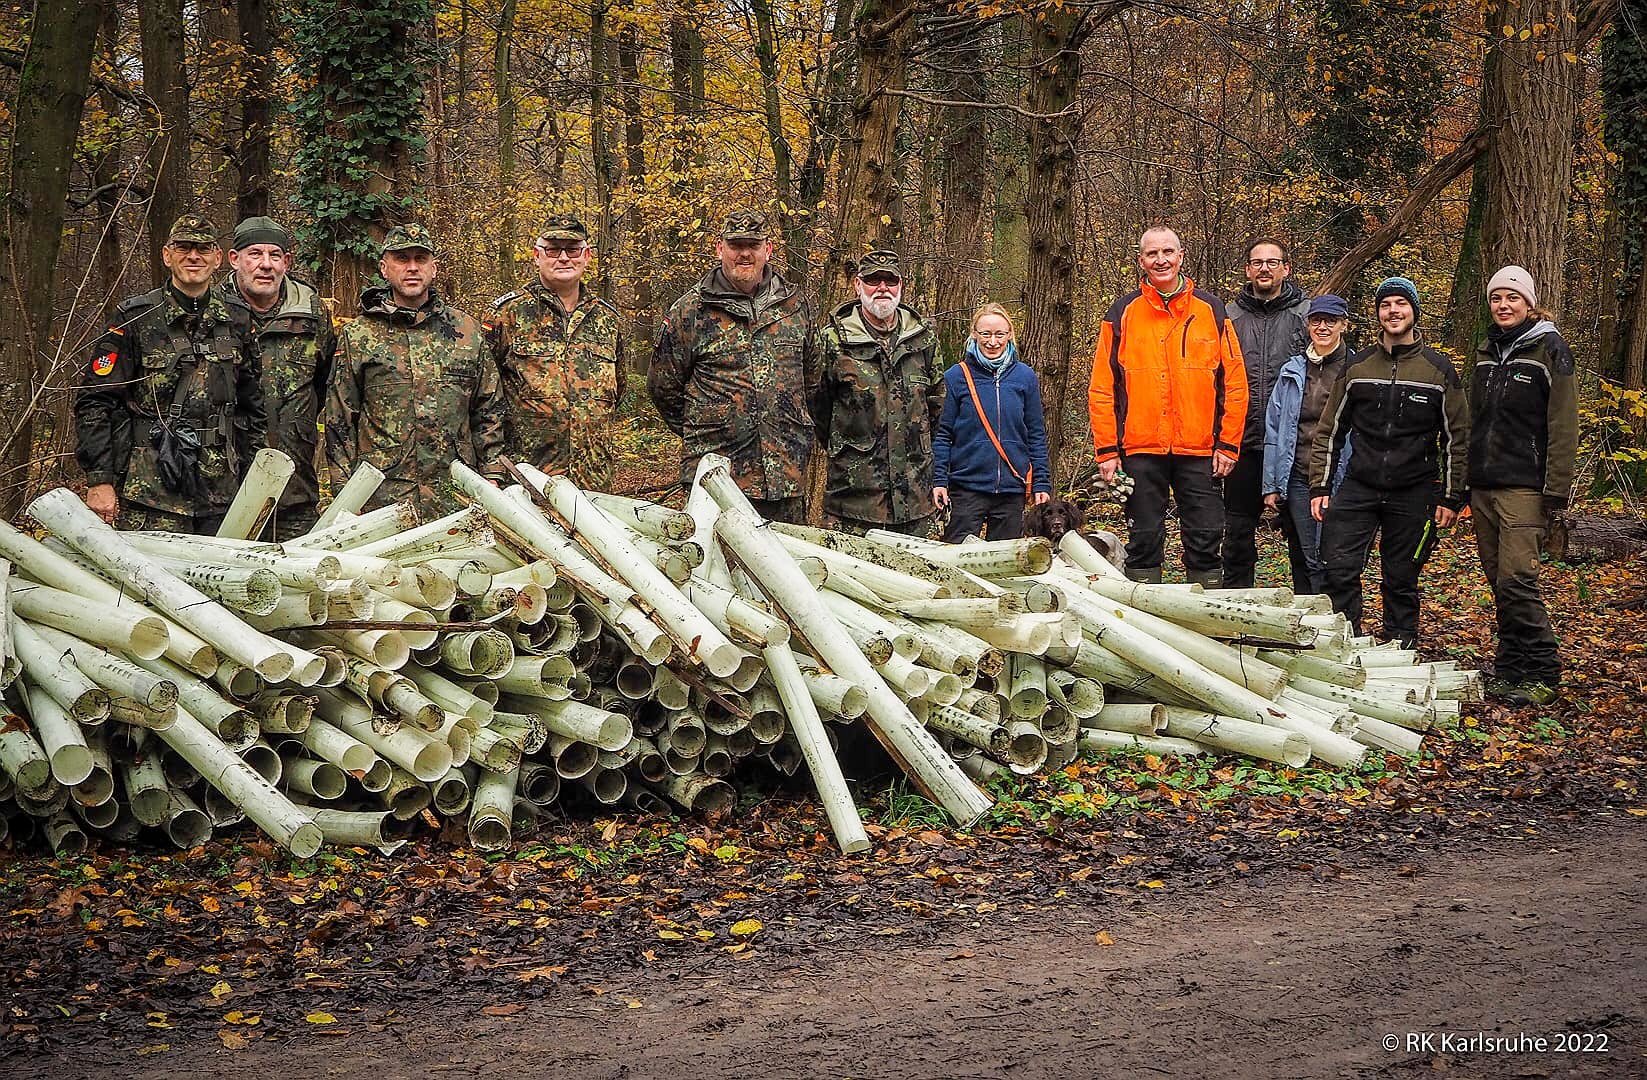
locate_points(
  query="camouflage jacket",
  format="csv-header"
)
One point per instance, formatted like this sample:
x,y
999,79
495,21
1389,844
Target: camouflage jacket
x,y
877,405
732,374
562,376
131,380
295,343
412,391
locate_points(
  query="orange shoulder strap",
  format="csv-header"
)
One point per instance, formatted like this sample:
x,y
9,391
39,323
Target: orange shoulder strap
x,y
972,388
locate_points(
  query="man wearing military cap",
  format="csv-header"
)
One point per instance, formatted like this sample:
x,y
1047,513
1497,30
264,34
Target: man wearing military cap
x,y
414,386
169,410
734,369
559,351
295,343
878,403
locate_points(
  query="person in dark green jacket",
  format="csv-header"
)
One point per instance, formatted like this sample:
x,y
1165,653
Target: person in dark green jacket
x,y
1404,407
1523,450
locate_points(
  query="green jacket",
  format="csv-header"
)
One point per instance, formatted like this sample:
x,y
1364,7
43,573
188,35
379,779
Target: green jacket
x,y
131,379
296,344
411,392
876,408
563,373
732,374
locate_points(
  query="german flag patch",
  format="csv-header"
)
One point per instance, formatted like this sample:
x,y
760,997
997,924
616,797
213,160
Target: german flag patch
x,y
104,363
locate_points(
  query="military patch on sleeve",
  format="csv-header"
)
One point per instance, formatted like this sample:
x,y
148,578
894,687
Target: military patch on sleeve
x,y
103,363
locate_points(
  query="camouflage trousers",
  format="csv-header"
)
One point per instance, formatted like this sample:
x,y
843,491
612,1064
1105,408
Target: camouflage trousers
x,y
920,527
135,518
790,511
291,522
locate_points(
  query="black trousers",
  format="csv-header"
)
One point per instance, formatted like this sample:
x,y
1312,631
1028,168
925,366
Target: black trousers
x,y
1357,513
994,517
1200,511
1243,507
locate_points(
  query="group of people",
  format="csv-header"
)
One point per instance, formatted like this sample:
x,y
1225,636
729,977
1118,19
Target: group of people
x,y
1386,442
1229,411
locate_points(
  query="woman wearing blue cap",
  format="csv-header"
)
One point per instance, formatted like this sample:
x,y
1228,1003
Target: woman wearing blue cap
x,y
1294,415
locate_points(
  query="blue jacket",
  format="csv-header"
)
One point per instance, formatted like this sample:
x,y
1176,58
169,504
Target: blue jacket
x,y
962,455
1281,429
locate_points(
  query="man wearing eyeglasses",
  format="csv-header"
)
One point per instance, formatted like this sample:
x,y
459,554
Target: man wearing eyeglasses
x,y
559,349
734,369
1269,320
169,410
878,403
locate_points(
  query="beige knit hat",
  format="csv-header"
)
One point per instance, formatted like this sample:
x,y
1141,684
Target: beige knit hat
x,y
1516,279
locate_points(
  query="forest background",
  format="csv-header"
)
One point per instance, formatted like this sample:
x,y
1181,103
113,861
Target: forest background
x,y
1010,150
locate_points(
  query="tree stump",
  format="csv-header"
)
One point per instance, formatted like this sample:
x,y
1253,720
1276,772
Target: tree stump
x,y
1586,537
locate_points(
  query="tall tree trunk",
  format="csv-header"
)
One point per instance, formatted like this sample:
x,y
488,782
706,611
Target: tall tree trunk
x,y
166,82
1009,234
216,117
829,99
871,211
506,143
634,171
599,144
766,57
257,42
1624,101
106,175
51,92
1531,100
1466,312
964,151
1049,290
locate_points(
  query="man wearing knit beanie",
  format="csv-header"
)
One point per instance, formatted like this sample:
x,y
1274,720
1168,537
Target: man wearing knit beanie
x,y
294,336
1404,408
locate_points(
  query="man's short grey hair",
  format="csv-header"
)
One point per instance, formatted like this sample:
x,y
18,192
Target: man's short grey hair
x,y
1179,240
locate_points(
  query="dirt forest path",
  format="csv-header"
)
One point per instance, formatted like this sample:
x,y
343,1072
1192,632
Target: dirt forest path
x,y
1289,976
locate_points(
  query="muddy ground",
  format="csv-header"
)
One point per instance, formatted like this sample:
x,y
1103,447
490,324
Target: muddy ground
x,y
1539,930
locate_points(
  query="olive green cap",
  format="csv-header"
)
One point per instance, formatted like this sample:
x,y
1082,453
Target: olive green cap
x,y
193,229
261,230
409,237
744,225
880,261
564,227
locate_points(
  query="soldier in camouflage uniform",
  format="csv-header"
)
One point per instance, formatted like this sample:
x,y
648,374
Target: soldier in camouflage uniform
x,y
295,343
879,400
177,364
414,386
560,355
734,368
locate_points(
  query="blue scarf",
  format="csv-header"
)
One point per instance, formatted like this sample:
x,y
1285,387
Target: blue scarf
x,y
998,367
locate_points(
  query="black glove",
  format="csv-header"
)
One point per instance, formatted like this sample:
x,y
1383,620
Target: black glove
x,y
177,459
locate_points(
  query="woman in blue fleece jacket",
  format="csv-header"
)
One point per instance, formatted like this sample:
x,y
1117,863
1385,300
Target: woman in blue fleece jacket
x,y
984,491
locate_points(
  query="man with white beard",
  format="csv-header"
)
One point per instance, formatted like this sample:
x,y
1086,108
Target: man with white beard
x,y
877,405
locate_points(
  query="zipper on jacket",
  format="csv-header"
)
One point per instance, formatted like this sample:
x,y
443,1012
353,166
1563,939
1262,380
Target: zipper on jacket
x,y
999,479
1183,346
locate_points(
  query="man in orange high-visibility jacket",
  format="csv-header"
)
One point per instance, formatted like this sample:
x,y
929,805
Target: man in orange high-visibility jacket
x,y
1168,401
